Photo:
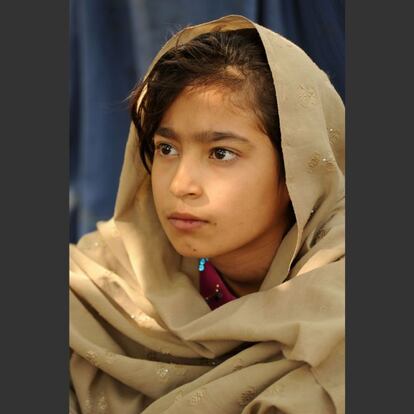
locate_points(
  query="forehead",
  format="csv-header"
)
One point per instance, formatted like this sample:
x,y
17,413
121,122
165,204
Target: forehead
x,y
211,108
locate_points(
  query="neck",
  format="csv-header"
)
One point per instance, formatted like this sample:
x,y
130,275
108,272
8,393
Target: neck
x,y
245,268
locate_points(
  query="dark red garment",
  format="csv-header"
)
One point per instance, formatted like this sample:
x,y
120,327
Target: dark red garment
x,y
212,287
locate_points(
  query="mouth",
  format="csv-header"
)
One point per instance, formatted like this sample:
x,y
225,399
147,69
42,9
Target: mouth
x,y
183,221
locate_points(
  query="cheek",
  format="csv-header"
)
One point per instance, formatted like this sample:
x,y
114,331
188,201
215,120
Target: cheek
x,y
158,184
253,199
245,200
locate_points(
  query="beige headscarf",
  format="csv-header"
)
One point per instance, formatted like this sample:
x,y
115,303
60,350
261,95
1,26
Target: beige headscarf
x,y
143,339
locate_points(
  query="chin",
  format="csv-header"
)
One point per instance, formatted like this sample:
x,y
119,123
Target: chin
x,y
189,250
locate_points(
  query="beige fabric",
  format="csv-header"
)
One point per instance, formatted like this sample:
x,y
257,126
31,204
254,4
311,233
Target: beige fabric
x,y
142,337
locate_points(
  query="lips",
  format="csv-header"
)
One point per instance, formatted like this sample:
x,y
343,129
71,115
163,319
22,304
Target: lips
x,y
185,221
185,216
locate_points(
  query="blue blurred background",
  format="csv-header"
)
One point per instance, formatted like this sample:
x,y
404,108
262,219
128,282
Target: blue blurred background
x,y
112,42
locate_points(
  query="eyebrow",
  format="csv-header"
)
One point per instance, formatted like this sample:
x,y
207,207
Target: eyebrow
x,y
208,135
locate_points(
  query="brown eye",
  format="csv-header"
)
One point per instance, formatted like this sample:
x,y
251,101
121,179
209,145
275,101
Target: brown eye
x,y
220,153
223,154
165,149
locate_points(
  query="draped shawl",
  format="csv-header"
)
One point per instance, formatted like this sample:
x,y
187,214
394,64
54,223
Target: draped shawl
x,y
143,339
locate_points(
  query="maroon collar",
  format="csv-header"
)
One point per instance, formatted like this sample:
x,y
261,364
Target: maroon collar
x,y
212,287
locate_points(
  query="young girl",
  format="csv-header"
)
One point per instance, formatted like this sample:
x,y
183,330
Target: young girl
x,y
218,286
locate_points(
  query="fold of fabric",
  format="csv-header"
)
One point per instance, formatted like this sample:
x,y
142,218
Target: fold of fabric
x,y
143,338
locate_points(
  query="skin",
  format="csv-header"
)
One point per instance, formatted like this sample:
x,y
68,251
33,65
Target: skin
x,y
233,184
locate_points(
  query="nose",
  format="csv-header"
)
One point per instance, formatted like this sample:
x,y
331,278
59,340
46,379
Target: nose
x,y
186,180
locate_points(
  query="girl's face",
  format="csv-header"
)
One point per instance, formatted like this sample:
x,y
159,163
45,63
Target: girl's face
x,y
213,162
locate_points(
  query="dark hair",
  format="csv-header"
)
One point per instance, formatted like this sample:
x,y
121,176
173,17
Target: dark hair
x,y
232,59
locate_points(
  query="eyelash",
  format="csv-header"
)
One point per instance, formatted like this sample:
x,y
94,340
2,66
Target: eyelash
x,y
159,147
